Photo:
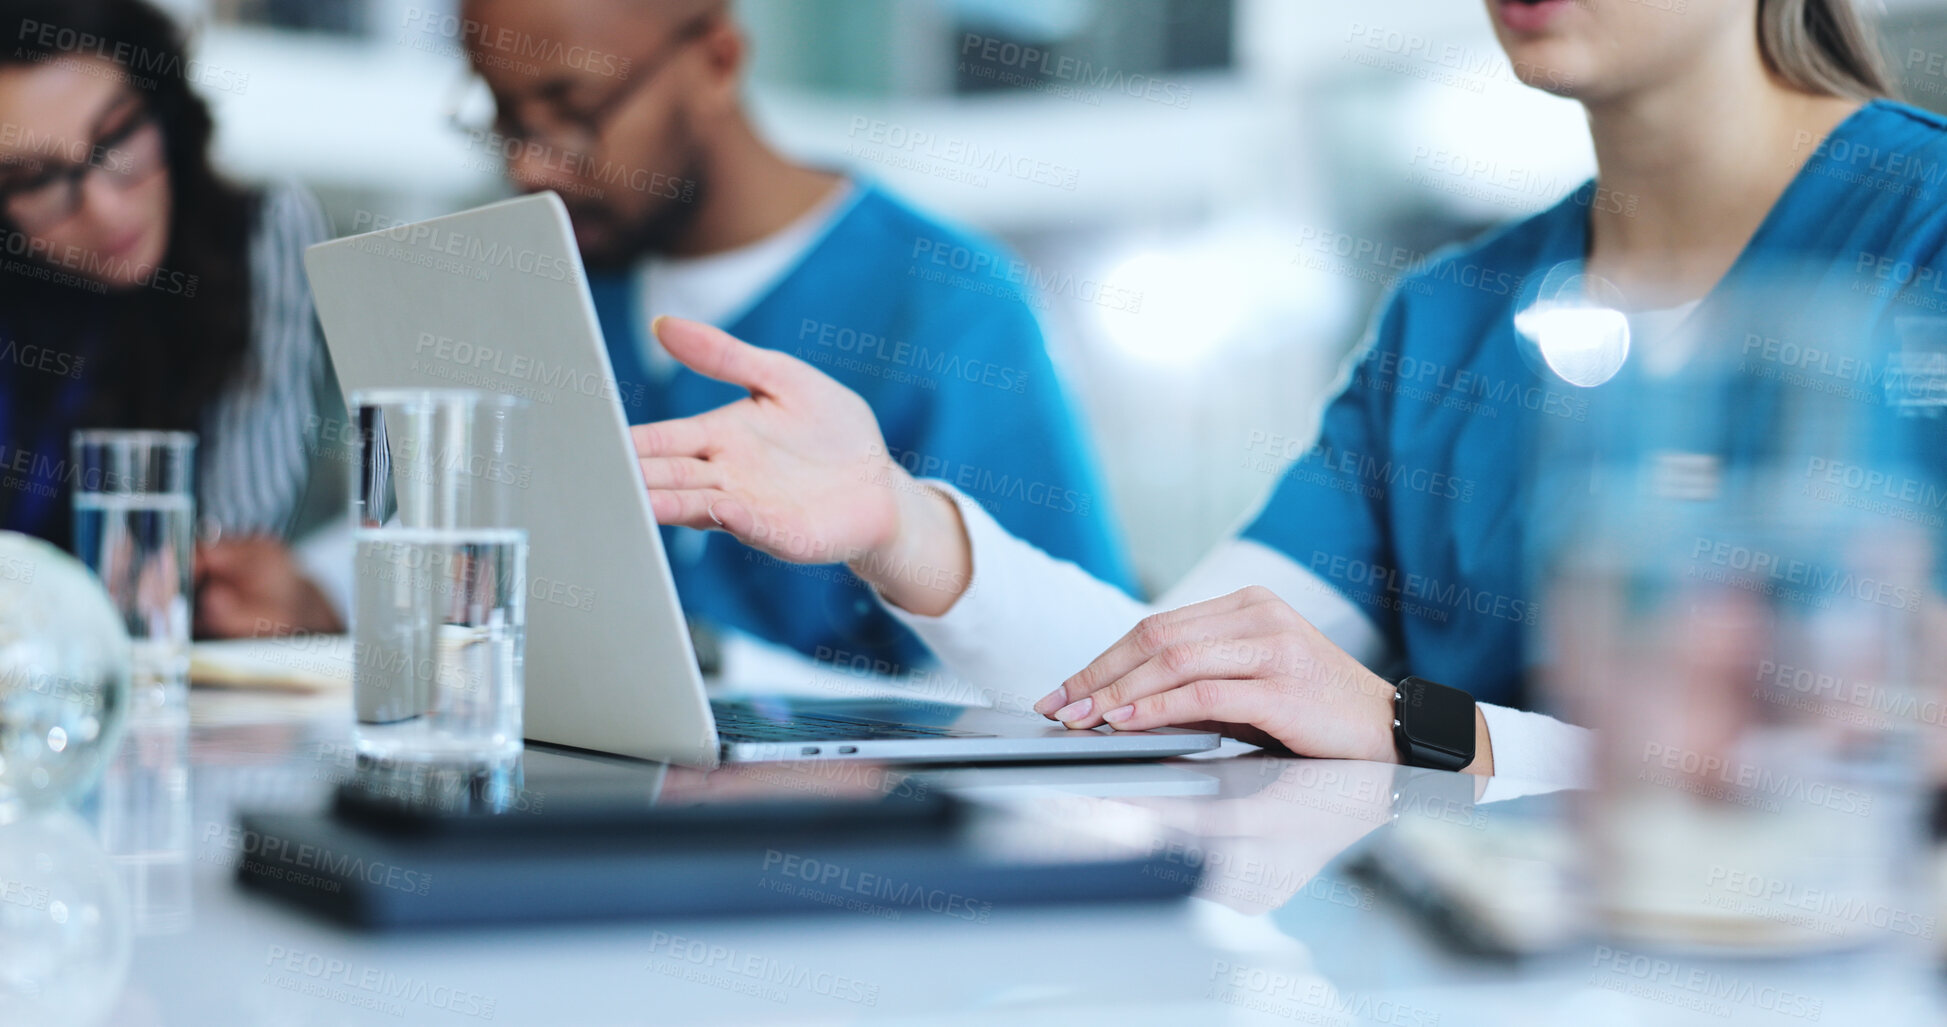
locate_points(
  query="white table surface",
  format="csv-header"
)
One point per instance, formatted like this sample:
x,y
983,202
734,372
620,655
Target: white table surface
x,y
1282,935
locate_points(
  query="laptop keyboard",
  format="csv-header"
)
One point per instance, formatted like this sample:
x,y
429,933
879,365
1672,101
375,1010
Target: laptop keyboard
x,y
739,722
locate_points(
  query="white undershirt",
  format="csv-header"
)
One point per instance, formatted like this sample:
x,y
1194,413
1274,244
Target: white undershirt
x,y
721,287
1028,617
1654,334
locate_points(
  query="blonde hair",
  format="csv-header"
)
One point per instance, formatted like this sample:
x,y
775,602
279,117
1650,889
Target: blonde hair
x,y
1823,46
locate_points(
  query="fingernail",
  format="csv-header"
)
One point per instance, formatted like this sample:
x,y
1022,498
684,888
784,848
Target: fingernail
x,y
1119,714
656,326
1052,701
1075,710
712,511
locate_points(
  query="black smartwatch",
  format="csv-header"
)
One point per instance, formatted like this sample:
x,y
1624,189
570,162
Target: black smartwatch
x,y
1433,725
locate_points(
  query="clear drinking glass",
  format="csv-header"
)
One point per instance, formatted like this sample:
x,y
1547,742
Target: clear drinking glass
x,y
439,598
134,521
1735,556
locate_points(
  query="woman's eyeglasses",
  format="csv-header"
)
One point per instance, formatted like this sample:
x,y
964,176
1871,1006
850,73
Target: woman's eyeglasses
x,y
127,156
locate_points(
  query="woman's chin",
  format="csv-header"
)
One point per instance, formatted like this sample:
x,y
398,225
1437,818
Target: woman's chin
x,y
1557,66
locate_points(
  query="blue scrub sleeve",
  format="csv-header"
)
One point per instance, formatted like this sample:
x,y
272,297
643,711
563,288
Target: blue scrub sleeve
x,y
1328,512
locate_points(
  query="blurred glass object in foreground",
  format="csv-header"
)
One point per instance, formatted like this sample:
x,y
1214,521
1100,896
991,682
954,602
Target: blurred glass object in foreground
x,y
65,939
1734,554
64,676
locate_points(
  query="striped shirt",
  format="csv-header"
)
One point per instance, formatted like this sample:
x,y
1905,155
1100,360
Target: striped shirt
x,y
259,437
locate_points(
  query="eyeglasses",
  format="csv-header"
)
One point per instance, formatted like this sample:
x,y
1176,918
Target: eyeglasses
x,y
127,156
474,110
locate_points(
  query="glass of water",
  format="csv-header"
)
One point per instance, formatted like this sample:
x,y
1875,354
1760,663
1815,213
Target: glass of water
x,y
439,595
134,517
1736,557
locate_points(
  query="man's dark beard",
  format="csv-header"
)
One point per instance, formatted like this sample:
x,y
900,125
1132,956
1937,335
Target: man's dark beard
x,y
658,230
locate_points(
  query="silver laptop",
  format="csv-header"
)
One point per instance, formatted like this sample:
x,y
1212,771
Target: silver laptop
x,y
496,299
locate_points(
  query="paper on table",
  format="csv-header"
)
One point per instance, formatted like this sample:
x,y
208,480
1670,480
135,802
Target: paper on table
x,y
298,663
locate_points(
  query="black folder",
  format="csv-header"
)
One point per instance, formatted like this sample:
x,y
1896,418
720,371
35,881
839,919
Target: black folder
x,y
590,853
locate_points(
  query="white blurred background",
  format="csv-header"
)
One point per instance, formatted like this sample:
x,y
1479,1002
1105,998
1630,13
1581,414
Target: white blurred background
x,y
1248,175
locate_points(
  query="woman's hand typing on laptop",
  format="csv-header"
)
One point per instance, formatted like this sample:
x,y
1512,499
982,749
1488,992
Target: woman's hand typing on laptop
x,y
799,470
1246,664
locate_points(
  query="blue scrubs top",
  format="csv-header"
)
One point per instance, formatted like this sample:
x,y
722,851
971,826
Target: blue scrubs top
x,y
932,326
1413,502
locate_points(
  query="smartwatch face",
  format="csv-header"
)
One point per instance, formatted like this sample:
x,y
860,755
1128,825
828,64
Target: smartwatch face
x,y
1441,717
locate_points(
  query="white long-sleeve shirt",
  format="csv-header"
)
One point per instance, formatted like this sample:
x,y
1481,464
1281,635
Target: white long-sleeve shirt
x,y
1029,618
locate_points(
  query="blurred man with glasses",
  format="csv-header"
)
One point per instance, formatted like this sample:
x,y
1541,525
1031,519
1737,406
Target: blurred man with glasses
x,y
632,111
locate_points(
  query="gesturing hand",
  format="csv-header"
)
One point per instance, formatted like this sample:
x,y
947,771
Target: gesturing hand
x,y
799,470
780,469
1245,662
